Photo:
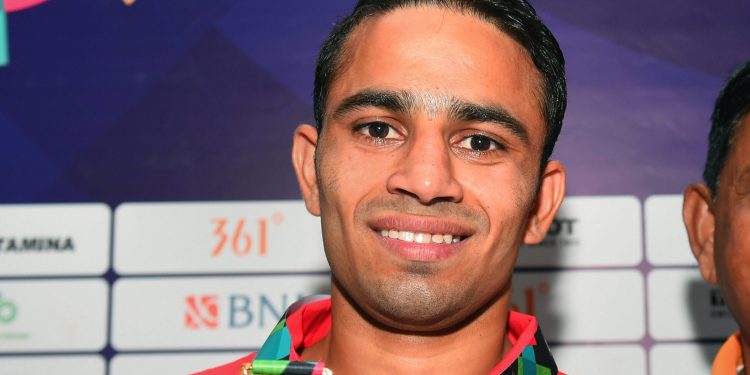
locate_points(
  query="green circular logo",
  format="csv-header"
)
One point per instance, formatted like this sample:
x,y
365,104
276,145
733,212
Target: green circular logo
x,y
7,311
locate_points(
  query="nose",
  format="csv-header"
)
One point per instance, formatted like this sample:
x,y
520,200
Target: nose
x,y
426,171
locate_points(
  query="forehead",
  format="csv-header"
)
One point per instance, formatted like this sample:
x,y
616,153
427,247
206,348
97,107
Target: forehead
x,y
442,53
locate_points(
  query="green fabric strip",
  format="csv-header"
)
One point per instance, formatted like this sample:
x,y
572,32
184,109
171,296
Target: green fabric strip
x,y
541,370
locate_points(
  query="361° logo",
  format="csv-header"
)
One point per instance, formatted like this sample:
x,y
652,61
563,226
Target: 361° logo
x,y
242,236
7,311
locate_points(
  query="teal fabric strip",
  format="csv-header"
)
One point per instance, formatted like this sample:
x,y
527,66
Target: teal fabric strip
x,y
528,354
277,346
4,56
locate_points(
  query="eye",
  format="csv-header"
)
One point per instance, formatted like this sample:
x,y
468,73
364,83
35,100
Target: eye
x,y
480,143
378,129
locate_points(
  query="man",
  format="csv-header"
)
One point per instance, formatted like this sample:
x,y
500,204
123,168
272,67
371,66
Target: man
x,y
717,216
429,168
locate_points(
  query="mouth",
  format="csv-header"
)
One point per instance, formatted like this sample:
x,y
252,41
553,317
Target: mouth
x,y
421,237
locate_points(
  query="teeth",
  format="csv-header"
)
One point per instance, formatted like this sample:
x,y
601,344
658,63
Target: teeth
x,y
419,237
393,234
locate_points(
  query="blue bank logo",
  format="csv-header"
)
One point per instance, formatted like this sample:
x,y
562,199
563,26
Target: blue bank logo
x,y
235,311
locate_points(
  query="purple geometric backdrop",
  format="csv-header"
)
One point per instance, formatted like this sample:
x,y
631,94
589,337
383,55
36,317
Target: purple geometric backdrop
x,y
192,100
197,100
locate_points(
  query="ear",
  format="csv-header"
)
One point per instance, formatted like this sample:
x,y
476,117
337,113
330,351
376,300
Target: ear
x,y
548,201
303,157
700,224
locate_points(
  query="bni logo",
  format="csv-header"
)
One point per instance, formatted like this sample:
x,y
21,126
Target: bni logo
x,y
7,311
202,311
236,310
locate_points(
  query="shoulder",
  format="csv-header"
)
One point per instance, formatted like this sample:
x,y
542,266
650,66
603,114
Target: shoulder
x,y
729,358
232,368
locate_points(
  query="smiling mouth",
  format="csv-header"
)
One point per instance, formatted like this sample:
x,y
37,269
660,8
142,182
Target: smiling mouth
x,y
421,237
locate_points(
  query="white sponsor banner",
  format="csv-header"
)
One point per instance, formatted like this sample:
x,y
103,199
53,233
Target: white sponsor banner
x,y
170,364
58,365
682,306
203,313
601,359
53,315
54,239
588,232
583,306
683,358
211,237
666,238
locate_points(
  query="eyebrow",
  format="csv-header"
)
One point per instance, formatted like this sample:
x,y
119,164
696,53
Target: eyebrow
x,y
458,110
394,101
470,112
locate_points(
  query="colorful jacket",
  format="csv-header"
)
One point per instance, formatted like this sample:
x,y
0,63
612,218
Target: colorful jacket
x,y
309,320
729,359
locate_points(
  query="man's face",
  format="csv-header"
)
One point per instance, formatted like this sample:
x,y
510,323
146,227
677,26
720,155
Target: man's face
x,y
732,233
718,227
428,167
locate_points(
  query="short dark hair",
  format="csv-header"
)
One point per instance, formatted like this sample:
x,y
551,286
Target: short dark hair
x,y
516,18
732,105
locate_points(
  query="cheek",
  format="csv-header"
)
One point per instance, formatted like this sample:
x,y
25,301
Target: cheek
x,y
504,194
742,185
732,232
347,177
733,261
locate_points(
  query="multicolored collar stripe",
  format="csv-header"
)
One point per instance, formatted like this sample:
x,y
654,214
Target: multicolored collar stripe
x,y
534,359
273,357
282,367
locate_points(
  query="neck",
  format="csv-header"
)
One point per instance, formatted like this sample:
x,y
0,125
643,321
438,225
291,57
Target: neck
x,y
357,346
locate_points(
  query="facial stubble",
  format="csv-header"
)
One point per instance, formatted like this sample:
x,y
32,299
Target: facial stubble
x,y
412,298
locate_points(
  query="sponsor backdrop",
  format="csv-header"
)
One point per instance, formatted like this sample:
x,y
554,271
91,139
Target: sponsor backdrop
x,y
150,220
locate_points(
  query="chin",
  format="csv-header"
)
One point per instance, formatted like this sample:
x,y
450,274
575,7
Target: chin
x,y
414,306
